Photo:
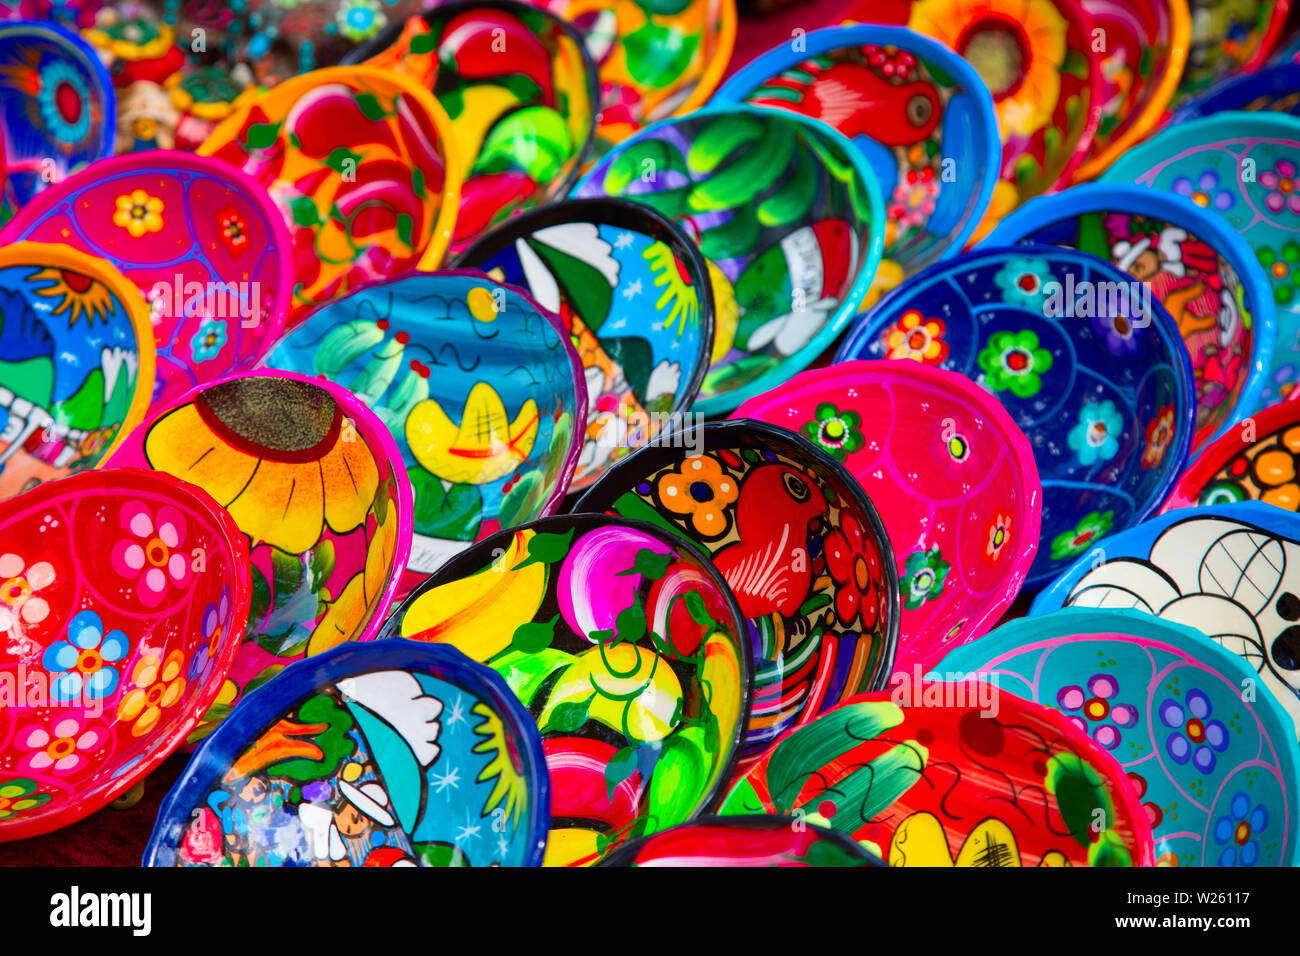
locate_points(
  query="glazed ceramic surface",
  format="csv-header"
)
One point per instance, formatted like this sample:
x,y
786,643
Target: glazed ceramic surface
x,y
1229,36
1090,368
314,481
200,240
1037,59
1230,571
521,92
1217,771
743,841
917,112
942,780
800,545
364,167
635,296
125,597
952,476
1246,168
1256,461
1196,265
787,212
1275,87
387,754
76,362
57,107
480,388
626,647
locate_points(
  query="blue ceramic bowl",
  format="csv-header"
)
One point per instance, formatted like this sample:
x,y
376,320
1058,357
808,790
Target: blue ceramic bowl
x,y
1275,87
787,212
1102,391
1218,775
379,754
1186,255
930,136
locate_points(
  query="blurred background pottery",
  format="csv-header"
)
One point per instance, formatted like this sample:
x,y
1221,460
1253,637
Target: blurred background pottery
x,y
743,841
1256,461
1275,87
1229,36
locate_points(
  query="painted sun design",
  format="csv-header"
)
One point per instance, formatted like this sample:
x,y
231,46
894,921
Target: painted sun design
x,y
677,293
76,292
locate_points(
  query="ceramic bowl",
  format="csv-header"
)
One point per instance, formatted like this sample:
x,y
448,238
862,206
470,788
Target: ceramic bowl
x,y
76,362
743,841
478,385
524,123
1229,38
629,651
788,213
635,296
57,108
305,773
796,539
1039,60
1196,265
1272,88
364,166
952,476
942,775
917,112
1256,461
125,598
1217,771
314,480
1230,571
1089,368
202,242
1245,167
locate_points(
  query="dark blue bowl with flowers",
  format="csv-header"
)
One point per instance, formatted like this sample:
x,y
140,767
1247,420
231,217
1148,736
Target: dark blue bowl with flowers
x,y
1087,362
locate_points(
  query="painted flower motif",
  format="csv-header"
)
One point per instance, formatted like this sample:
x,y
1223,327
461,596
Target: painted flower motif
x,y
917,337
232,230
1095,710
914,198
212,629
156,685
1195,736
999,535
1096,436
1281,182
359,19
1283,269
81,664
64,102
1205,191
151,554
854,565
1013,361
1274,470
20,603
1154,814
64,748
700,490
1238,831
890,61
19,794
209,340
925,574
1024,282
139,213
835,431
1160,435
1117,332
1091,526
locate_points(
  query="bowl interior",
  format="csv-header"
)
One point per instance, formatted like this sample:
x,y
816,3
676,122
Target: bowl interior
x,y
1272,88
1252,29
125,595
1253,462
743,841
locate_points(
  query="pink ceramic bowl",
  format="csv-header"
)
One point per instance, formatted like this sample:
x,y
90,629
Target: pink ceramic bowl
x,y
124,596
315,482
952,476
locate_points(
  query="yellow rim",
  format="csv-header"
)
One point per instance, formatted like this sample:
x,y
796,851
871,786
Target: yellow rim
x,y
711,78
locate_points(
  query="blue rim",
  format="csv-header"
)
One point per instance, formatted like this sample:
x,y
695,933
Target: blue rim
x,y
262,705
1235,92
848,306
1126,197
782,57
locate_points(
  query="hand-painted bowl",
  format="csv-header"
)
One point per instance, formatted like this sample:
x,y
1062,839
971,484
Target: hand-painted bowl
x,y
1196,265
1217,769
76,362
1039,60
1274,88
125,598
1256,461
1229,37
1088,365
306,771
203,243
525,122
743,841
57,108
478,385
788,213
314,480
1230,571
797,540
917,112
625,645
635,296
364,166
933,774
952,476
1246,168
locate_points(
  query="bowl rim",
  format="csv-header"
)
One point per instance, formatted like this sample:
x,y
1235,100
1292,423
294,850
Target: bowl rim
x,y
1280,76
263,704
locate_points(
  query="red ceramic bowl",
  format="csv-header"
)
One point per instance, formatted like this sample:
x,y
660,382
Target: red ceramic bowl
x,y
1255,460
